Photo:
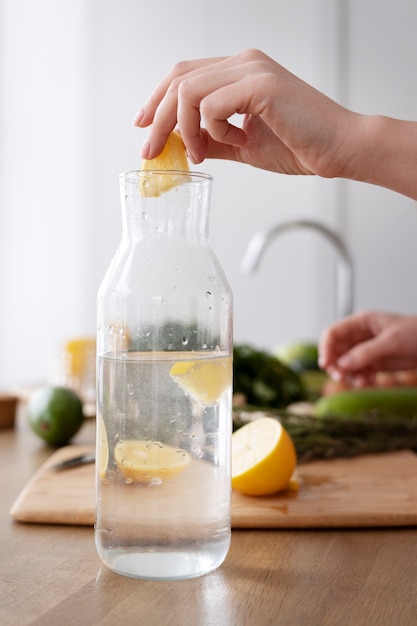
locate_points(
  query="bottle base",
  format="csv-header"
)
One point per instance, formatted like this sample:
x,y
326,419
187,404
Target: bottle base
x,y
167,565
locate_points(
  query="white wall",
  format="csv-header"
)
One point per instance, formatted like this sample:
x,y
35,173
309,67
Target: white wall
x,y
381,226
71,78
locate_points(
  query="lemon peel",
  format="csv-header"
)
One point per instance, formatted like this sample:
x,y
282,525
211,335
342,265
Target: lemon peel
x,y
103,450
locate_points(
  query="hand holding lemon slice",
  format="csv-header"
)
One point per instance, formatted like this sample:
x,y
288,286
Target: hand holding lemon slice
x,y
173,158
263,458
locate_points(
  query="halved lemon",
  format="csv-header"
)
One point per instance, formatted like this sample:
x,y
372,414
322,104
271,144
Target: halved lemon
x,y
173,158
205,380
263,458
144,461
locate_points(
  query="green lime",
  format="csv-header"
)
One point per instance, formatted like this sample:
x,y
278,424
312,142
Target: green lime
x,y
55,414
299,356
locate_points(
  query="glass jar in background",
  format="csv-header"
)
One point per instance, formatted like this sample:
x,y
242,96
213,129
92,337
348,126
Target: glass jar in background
x,y
164,386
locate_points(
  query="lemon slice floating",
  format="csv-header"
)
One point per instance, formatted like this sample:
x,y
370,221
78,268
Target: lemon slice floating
x,y
144,461
174,158
205,380
263,458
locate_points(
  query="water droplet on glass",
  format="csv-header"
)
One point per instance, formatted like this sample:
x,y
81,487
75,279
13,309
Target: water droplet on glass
x,y
155,481
208,293
130,389
184,341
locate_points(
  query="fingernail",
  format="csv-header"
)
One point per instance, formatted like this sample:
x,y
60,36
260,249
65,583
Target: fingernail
x,y
144,153
138,117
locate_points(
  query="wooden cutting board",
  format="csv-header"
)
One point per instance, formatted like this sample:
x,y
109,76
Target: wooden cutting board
x,y
367,491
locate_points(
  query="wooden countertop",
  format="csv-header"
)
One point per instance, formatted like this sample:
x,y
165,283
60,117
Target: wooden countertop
x,y
52,575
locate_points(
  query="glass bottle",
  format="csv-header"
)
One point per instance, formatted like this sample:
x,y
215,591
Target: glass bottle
x,y
164,386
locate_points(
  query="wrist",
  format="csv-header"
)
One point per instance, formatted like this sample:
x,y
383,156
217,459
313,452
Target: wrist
x,y
383,151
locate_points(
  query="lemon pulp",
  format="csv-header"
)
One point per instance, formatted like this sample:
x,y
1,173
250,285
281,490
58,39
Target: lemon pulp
x,y
263,458
144,461
173,158
205,380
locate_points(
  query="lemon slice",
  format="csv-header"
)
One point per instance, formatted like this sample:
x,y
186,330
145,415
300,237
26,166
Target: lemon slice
x,y
81,354
145,461
103,450
206,380
174,158
263,457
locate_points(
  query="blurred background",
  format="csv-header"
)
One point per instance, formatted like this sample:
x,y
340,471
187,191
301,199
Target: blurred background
x,y
73,74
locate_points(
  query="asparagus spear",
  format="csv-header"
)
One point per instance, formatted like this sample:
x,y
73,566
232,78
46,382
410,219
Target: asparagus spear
x,y
339,436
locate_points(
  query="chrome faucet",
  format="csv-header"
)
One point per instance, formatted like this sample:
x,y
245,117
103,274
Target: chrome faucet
x,y
262,239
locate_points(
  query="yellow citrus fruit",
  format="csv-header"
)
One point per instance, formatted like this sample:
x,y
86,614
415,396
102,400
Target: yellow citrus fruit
x,y
103,450
143,461
294,482
263,457
81,355
173,158
204,380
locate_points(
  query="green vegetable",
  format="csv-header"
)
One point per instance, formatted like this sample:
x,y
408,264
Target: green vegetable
x,y
400,401
331,437
299,356
264,380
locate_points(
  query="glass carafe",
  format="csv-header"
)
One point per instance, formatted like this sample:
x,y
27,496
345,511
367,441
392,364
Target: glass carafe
x,y
164,386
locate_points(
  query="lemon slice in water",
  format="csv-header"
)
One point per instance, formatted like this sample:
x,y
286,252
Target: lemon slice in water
x,y
103,450
205,380
173,158
144,461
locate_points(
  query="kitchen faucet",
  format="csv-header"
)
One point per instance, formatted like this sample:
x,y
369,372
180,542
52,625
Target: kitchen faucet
x,y
262,239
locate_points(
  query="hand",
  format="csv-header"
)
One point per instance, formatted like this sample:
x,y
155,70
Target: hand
x,y
359,346
288,126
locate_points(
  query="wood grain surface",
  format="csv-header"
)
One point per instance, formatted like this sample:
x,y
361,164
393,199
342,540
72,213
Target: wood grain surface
x,y
367,491
51,574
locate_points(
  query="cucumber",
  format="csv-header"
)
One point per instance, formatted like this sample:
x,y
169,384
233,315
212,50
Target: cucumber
x,y
392,401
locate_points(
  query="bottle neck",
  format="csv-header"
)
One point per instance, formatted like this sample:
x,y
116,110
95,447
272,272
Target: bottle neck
x,y
181,211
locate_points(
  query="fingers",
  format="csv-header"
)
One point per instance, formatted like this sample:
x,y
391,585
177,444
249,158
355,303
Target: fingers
x,y
212,89
364,344
145,116
215,96
164,101
339,338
